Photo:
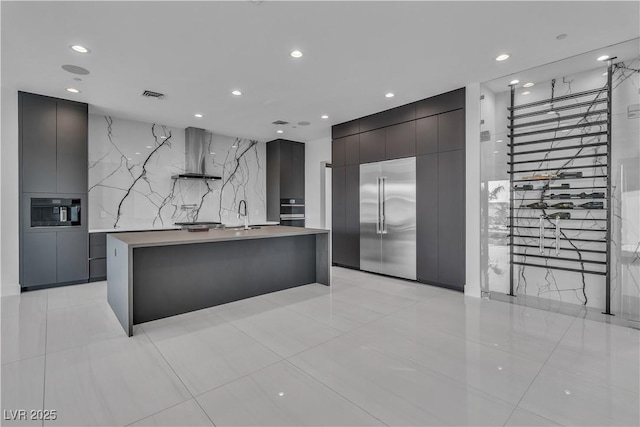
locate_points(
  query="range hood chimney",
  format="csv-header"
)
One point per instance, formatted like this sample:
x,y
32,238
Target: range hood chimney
x,y
195,165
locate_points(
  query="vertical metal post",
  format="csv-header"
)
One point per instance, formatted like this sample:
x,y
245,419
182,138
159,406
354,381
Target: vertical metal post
x,y
608,190
511,190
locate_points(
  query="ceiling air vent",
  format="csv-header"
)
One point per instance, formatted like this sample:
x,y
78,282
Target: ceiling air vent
x,y
152,94
280,122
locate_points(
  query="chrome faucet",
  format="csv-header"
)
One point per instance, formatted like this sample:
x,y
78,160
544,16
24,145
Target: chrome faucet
x,y
246,217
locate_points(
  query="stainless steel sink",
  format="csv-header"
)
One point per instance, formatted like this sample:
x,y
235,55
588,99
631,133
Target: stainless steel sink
x,y
242,228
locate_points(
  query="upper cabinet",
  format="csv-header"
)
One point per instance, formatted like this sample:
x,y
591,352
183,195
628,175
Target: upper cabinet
x,y
54,145
451,135
400,140
285,174
372,146
427,135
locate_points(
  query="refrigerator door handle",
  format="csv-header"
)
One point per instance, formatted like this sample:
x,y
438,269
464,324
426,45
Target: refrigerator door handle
x,y
378,227
384,205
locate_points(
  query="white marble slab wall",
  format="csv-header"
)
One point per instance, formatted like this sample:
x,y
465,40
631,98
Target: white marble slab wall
x,y
130,169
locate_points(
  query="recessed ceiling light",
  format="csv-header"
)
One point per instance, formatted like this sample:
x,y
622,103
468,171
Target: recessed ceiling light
x,y
390,95
526,93
499,140
605,73
324,116
198,115
280,131
163,137
149,146
212,152
502,57
138,153
236,93
234,146
72,90
528,84
495,152
514,82
603,57
296,54
79,49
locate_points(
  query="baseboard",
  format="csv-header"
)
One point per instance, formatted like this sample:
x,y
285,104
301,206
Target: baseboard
x,y
53,285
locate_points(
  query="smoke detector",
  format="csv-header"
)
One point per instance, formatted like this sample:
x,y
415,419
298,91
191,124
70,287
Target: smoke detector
x,y
152,94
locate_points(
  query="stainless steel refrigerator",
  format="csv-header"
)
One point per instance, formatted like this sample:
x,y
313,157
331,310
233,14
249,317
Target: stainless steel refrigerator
x,y
388,217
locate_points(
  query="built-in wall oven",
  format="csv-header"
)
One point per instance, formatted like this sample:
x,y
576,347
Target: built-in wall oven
x,y
292,212
55,212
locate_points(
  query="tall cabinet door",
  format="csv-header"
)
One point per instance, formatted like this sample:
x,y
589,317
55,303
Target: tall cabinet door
x,y
352,216
451,218
370,217
38,134
286,172
72,160
72,248
427,221
399,218
297,171
338,215
39,258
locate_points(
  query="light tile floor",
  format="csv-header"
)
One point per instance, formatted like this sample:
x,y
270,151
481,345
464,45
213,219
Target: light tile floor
x,y
368,350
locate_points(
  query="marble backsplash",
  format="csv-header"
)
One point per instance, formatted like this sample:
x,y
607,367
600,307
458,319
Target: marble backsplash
x,y
130,184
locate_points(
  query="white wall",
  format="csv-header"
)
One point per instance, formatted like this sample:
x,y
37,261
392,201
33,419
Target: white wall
x,y
316,152
9,194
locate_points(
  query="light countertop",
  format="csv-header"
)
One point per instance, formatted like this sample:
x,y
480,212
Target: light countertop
x,y
169,227
183,237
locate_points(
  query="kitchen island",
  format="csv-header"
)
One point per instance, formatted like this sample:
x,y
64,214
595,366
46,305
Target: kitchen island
x,y
157,274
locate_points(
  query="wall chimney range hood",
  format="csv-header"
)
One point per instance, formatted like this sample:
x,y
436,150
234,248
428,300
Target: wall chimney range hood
x,y
195,165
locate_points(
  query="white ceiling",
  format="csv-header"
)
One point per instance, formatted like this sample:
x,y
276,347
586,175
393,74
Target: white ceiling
x,y
354,52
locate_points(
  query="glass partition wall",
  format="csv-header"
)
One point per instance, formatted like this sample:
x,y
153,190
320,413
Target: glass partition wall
x,y
544,232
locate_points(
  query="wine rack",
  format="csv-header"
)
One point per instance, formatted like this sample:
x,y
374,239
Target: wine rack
x,y
560,154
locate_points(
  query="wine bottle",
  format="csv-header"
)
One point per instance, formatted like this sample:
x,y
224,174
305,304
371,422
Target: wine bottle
x,y
592,205
560,196
559,215
566,175
523,187
563,205
536,205
591,195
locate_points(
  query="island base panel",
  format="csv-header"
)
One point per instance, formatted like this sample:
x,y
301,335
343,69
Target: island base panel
x,y
170,280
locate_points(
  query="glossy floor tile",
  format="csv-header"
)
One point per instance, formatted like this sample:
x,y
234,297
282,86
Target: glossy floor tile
x,y
214,356
22,389
23,336
185,414
286,332
369,350
114,382
281,395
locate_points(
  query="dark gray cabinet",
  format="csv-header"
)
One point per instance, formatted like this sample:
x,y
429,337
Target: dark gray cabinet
x,y
352,150
338,215
451,135
427,248
285,175
427,135
39,256
433,130
451,218
400,141
38,137
352,217
53,164
372,146
72,148
71,251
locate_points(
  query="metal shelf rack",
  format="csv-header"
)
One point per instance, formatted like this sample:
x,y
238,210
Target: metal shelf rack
x,y
584,118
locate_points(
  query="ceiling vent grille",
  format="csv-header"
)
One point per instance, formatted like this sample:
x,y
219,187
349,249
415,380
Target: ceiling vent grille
x,y
280,122
152,94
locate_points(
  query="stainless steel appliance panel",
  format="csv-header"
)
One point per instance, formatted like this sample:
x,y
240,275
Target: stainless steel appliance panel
x,y
398,195
370,221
